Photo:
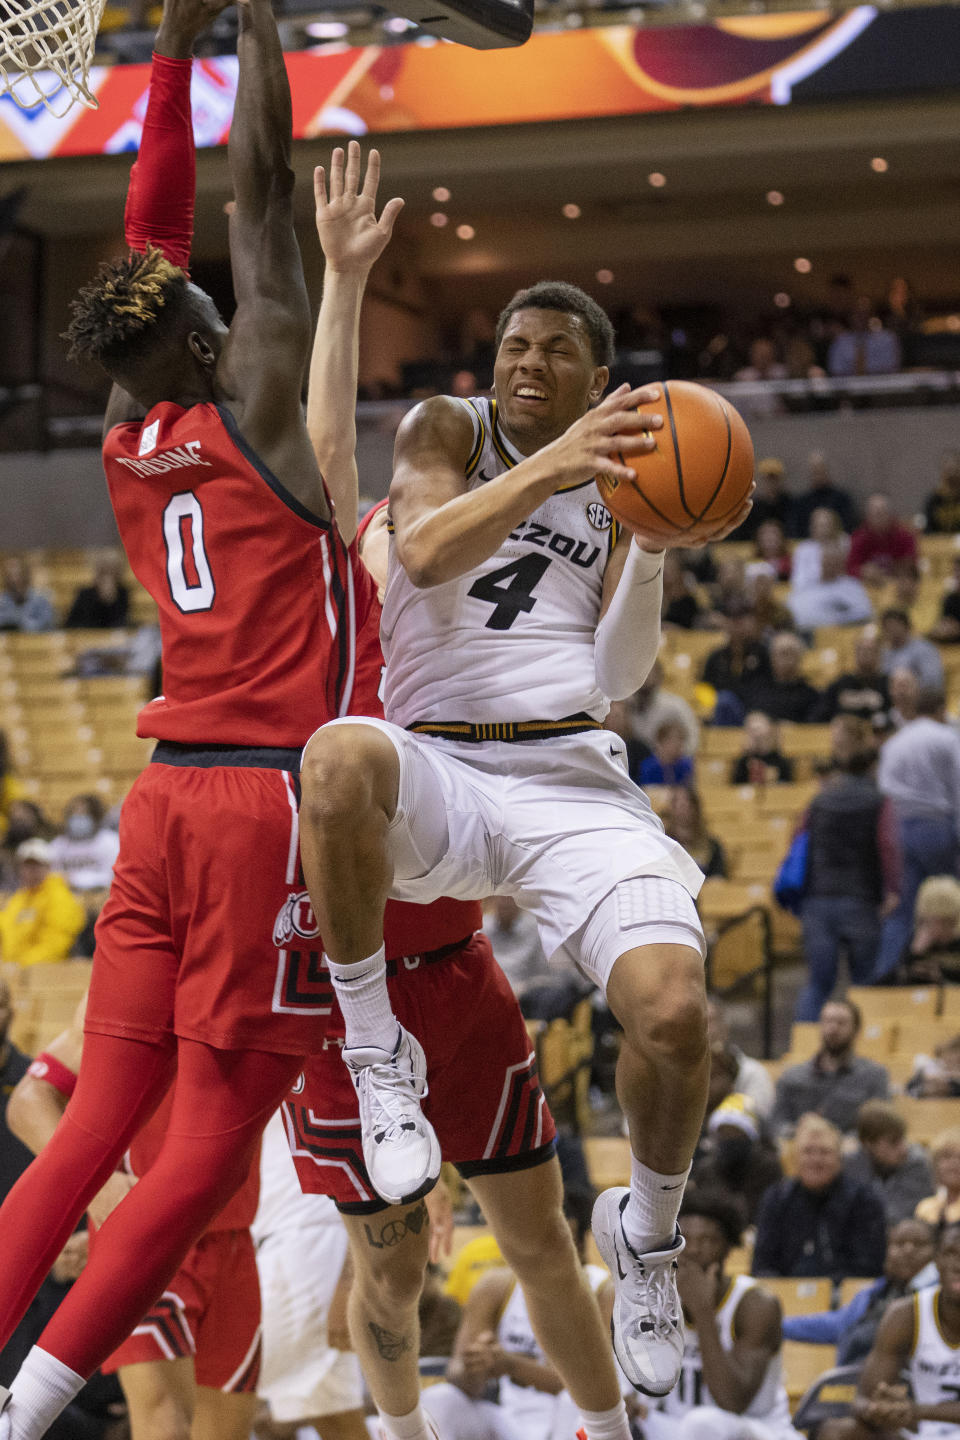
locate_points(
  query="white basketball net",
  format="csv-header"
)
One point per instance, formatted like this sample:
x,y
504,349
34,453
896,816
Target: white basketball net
x,y
46,47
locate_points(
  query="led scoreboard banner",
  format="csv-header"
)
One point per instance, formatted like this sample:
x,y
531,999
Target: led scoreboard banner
x,y
774,59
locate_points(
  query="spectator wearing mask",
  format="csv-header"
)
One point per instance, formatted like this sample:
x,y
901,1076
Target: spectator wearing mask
x,y
669,764
942,510
784,694
681,607
819,1222
933,955
14,1156
771,543
762,761
735,1157
904,650
685,823
749,1077
42,919
771,501
835,599
853,880
943,1206
822,494
21,606
835,1082
104,605
880,543
862,691
899,1172
86,852
735,667
904,697
937,1076
653,705
825,530
909,1267
919,773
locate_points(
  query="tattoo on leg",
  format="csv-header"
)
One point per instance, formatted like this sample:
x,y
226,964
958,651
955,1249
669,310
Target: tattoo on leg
x,y
390,1345
396,1230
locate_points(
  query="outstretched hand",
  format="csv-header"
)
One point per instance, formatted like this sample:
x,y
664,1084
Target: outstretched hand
x,y
351,236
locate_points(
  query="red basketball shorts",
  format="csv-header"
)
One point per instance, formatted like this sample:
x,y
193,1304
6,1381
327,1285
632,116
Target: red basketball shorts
x,y
210,1311
195,938
484,1100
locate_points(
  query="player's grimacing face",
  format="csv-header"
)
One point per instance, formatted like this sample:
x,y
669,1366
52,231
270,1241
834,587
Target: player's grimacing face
x,y
545,376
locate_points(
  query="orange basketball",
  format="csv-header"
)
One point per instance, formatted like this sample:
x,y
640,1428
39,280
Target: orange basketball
x,y
698,476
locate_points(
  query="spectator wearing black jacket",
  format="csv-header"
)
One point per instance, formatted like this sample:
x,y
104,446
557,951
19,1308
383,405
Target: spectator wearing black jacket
x,y
105,604
784,694
736,667
820,1222
762,761
862,691
771,501
822,494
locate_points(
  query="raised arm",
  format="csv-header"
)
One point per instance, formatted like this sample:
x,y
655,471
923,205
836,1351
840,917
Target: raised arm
x,y
352,240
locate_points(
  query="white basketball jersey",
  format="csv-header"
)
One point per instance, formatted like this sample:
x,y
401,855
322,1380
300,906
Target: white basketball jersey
x,y
770,1403
514,638
934,1367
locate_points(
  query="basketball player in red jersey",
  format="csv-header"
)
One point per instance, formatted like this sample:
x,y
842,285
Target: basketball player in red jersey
x,y
191,1365
485,1102
223,513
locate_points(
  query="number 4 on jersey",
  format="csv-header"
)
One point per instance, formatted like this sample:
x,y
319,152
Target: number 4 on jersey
x,y
510,589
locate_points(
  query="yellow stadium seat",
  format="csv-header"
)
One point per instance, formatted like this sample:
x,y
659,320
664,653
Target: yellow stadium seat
x,y
800,1296
927,1118
877,1002
851,1287
608,1160
804,1039
802,1366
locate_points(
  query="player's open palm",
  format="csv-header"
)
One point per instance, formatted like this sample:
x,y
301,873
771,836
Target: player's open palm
x,y
351,235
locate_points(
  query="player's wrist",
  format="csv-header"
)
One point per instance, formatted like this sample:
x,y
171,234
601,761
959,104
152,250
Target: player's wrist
x,y
173,44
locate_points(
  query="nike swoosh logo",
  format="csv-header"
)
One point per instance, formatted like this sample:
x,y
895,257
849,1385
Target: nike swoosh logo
x,y
616,1251
673,1187
484,476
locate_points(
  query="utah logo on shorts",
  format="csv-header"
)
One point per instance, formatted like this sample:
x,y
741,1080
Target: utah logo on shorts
x,y
296,920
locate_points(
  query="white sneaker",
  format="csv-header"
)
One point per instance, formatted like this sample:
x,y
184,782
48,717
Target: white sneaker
x,y
400,1150
647,1320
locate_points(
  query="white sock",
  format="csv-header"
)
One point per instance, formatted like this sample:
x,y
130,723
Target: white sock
x,y
406,1427
367,1012
606,1424
43,1387
650,1215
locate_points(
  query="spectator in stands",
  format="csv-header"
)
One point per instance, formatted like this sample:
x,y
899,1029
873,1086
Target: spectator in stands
x,y
14,1155
836,1081
680,604
825,529
942,510
821,494
853,879
21,606
515,942
105,604
771,543
86,851
669,764
903,590
943,1206
764,361
865,347
899,1171
768,609
652,705
820,1222
835,599
947,629
42,919
784,694
904,697
730,1385
851,739
684,822
750,1076
723,1077
620,719
933,953
903,649
919,773
735,1156
762,761
861,691
729,590
937,1076
25,821
11,788
880,542
771,500
909,1267
734,668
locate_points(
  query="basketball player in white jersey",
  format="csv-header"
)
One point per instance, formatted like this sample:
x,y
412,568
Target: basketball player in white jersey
x,y
513,612
730,1385
911,1379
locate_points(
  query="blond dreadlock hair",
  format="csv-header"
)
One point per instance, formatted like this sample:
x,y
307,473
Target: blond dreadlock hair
x,y
127,301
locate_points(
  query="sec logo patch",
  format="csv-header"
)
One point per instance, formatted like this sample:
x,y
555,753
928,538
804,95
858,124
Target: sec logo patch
x,y
599,516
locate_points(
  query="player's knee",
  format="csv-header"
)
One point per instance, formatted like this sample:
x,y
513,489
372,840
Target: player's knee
x,y
394,1283
539,1248
343,776
161,1417
670,1016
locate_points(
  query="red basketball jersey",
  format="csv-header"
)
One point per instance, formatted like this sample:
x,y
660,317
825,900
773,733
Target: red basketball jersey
x,y
257,597
407,929
238,1212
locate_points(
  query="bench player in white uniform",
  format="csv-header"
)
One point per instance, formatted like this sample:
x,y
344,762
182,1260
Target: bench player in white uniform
x,y
910,1384
730,1385
513,612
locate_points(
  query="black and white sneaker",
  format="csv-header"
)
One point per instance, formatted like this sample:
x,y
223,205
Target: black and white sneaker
x,y
647,1321
400,1150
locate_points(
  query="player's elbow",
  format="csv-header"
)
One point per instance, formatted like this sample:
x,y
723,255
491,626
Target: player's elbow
x,y
422,562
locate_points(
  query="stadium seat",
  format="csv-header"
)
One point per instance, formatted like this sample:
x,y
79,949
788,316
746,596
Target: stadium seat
x,y
927,1118
802,1367
896,1003
801,1296
608,1160
829,1397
